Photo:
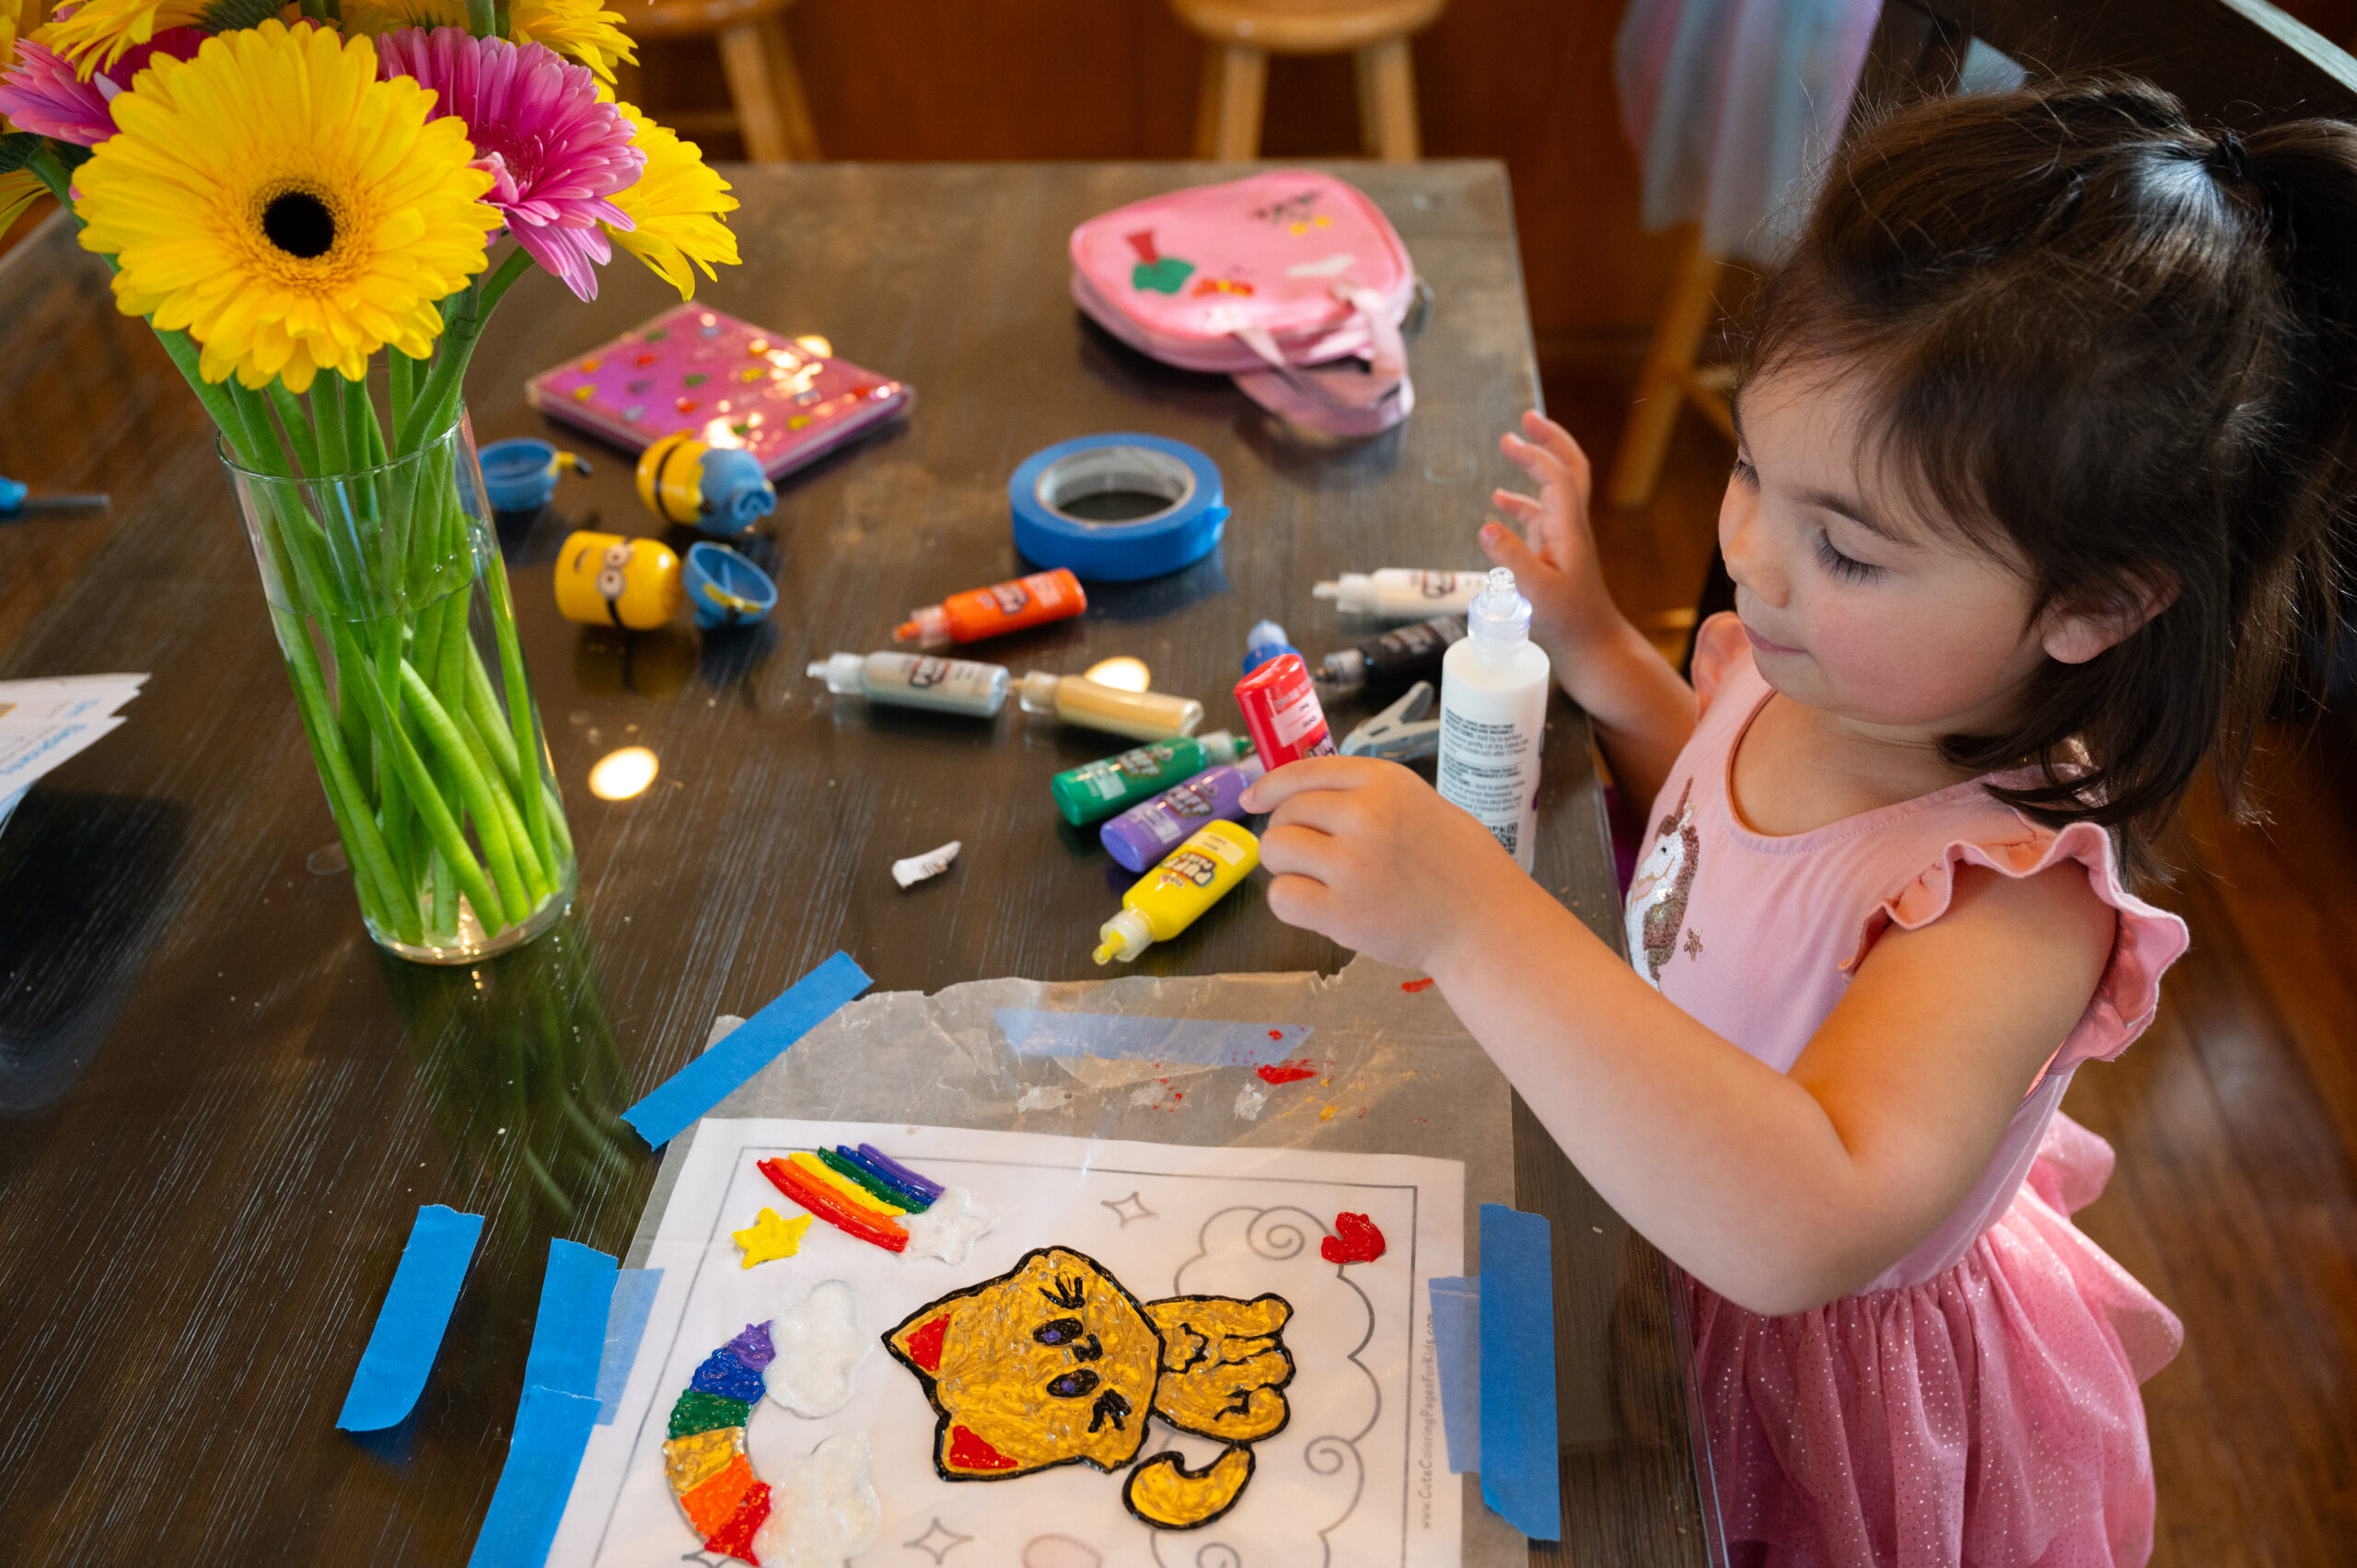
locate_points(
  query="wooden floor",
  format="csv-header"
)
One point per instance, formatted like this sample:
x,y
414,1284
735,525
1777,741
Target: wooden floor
x,y
2234,1117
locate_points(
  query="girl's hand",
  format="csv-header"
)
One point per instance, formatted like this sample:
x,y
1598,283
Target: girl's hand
x,y
1365,852
1557,570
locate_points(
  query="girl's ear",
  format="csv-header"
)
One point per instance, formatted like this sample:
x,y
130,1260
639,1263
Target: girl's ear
x,y
2076,634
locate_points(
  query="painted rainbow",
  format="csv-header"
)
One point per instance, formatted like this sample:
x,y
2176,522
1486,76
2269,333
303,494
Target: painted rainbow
x,y
704,1456
861,1193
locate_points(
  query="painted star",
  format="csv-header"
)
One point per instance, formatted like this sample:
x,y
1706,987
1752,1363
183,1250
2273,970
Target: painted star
x,y
1128,1209
770,1236
938,1541
948,1229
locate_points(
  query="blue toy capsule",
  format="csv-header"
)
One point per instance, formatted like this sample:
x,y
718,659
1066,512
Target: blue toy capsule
x,y
725,590
521,475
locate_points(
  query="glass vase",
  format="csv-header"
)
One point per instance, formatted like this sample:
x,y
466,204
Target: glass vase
x,y
392,611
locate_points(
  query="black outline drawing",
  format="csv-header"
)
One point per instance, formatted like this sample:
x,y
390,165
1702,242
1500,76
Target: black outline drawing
x,y
1331,1448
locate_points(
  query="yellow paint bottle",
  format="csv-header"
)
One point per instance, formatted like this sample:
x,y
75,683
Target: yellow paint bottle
x,y
1166,900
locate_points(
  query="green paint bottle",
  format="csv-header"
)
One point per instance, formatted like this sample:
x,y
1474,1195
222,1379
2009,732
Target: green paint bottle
x,y
1093,793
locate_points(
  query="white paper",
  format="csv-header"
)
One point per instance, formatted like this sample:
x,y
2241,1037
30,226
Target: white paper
x,y
1357,1476
42,723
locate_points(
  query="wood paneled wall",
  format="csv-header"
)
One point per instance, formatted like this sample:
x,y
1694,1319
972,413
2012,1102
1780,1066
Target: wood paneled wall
x,y
1529,81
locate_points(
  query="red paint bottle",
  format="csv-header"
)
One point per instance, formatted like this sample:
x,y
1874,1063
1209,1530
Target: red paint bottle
x,y
1281,713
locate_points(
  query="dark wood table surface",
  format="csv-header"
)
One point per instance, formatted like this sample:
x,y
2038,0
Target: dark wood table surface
x,y
220,1106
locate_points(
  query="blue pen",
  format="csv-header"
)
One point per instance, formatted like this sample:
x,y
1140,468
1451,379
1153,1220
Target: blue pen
x,y
1263,643
16,499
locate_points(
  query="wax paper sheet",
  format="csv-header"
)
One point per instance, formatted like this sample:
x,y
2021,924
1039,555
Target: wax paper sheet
x,y
1370,1062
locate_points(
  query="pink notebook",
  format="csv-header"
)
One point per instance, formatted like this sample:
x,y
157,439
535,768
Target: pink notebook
x,y
724,381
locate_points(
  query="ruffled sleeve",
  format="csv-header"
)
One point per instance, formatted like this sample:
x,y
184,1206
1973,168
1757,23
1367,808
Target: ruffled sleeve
x,y
1719,642
2149,939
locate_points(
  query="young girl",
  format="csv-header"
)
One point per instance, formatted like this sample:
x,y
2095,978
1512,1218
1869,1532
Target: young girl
x,y
2042,426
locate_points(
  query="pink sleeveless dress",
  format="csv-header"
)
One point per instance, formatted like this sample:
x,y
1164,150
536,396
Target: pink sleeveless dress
x,y
1976,1404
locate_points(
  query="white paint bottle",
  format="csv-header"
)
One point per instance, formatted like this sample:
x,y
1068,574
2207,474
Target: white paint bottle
x,y
1397,593
1494,716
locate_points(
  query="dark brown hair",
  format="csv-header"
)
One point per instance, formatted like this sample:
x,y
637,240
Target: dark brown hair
x,y
2122,350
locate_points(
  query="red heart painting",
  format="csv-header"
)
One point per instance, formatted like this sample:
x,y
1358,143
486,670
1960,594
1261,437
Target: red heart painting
x,y
1355,1240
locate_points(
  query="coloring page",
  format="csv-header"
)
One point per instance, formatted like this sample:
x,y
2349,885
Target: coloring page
x,y
1144,1331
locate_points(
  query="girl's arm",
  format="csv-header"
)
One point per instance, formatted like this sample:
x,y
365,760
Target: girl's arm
x,y
1778,1190
1644,710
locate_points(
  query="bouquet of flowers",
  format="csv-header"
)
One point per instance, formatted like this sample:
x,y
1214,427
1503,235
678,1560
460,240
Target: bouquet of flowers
x,y
306,202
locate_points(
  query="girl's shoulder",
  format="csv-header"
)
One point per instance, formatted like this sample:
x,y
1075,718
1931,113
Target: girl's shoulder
x,y
1757,934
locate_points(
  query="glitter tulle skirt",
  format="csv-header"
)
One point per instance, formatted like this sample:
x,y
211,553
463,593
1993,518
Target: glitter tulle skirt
x,y
1987,1417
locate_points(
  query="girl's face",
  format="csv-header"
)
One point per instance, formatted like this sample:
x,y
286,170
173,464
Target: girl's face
x,y
1856,604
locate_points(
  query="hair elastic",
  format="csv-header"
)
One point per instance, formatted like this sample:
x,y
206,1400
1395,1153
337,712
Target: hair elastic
x,y
2229,161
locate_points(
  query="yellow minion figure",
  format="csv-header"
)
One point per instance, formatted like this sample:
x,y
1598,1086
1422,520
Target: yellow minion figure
x,y
604,579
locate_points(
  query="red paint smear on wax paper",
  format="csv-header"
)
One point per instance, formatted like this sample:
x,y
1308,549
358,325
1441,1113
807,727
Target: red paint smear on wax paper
x,y
1286,1072
1425,984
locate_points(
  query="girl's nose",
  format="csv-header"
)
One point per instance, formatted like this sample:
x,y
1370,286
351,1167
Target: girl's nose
x,y
1742,541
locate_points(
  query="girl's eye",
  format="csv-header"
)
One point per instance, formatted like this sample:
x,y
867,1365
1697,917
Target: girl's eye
x,y
1744,473
1847,568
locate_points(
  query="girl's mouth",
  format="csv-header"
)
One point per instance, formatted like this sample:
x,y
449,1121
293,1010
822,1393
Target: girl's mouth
x,y
1763,644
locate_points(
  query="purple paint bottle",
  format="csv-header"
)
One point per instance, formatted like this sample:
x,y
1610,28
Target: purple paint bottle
x,y
1144,833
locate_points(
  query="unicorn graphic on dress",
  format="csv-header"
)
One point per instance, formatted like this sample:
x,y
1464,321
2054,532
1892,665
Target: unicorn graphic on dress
x,y
1656,905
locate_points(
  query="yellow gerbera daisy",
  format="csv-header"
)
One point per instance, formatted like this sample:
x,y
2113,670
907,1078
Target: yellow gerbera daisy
x,y
575,28
98,32
288,209
676,202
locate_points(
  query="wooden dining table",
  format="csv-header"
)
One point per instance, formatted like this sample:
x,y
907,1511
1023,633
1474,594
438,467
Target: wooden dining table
x,y
221,1105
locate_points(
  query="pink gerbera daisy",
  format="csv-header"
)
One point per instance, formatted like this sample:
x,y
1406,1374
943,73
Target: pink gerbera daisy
x,y
40,93
554,152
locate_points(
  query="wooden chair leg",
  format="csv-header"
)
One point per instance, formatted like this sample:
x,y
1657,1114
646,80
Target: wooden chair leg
x,y
1387,74
793,104
1677,336
1227,116
745,60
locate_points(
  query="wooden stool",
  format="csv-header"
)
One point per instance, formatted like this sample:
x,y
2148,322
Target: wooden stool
x,y
1240,35
1672,379
770,111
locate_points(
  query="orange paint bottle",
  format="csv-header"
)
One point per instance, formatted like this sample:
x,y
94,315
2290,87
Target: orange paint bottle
x,y
992,612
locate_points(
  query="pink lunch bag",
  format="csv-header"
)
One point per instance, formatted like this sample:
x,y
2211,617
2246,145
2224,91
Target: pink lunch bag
x,y
1276,278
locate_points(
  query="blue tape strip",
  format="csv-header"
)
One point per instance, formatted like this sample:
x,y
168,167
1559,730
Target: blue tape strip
x,y
408,1334
625,1325
1456,1345
695,1088
559,1406
569,1335
1199,1042
551,1433
1519,1464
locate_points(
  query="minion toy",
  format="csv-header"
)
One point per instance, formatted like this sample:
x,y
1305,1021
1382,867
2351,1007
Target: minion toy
x,y
603,579
717,489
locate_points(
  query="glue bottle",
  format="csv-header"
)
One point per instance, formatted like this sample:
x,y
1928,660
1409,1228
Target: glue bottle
x,y
1281,714
1167,899
1149,829
916,680
1399,657
1097,790
1397,594
994,610
1141,715
1494,716
1263,643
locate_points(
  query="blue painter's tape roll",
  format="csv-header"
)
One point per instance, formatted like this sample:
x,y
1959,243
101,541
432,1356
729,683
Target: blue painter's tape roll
x,y
1062,518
